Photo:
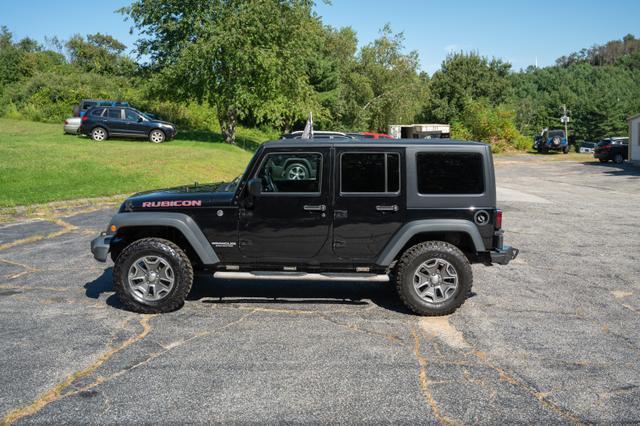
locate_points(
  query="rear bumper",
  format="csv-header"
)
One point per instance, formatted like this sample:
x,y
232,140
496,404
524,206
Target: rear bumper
x,y
504,255
100,247
72,130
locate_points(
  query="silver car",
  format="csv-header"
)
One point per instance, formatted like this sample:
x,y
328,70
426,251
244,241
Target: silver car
x,y
71,125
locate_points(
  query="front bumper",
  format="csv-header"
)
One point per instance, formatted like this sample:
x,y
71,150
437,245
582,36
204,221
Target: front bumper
x,y
504,255
100,247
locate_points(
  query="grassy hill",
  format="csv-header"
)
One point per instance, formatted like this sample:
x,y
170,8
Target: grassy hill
x,y
39,164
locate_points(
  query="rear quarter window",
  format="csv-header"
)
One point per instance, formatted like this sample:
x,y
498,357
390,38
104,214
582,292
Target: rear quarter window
x,y
444,173
97,111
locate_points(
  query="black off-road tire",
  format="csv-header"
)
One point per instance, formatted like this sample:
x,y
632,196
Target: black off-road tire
x,y
618,159
171,253
603,160
416,255
565,150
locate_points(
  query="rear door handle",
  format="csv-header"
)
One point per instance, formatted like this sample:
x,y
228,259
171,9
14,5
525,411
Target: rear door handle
x,y
315,208
393,208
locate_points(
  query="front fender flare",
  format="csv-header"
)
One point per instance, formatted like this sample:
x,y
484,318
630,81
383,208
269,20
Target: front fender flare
x,y
410,229
180,221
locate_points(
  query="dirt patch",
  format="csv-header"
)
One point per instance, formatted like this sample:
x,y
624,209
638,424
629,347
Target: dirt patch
x,y
441,328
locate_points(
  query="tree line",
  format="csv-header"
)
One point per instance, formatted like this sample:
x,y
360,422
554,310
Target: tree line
x,y
217,64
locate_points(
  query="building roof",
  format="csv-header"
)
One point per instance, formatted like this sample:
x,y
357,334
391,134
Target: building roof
x,y
633,117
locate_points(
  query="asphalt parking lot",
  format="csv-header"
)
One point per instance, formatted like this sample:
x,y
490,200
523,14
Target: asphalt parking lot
x,y
552,338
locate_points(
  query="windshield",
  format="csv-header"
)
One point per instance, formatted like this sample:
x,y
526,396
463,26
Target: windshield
x,y
554,133
231,186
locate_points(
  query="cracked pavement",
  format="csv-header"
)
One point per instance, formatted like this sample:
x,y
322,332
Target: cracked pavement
x,y
552,338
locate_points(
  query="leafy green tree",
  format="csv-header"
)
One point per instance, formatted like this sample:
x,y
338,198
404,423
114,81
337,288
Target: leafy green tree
x,y
99,53
244,58
495,126
390,88
466,76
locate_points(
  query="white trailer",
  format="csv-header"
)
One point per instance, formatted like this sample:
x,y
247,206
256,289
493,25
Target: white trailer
x,y
420,131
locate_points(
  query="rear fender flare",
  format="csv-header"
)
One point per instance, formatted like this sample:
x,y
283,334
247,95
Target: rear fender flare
x,y
404,234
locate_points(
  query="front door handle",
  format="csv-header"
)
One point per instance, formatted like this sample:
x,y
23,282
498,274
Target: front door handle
x,y
315,208
393,208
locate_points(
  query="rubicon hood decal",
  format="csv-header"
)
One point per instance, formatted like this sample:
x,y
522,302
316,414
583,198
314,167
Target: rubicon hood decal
x,y
172,203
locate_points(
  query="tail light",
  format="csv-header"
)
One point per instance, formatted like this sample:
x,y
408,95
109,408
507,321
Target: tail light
x,y
498,219
85,118
66,122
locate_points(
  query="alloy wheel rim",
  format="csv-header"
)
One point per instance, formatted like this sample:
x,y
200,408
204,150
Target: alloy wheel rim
x,y
156,137
150,278
435,281
98,134
297,173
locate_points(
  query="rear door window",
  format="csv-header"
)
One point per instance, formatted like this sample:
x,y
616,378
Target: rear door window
x,y
114,113
449,173
369,172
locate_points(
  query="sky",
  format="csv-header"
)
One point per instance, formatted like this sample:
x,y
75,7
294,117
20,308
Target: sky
x,y
518,31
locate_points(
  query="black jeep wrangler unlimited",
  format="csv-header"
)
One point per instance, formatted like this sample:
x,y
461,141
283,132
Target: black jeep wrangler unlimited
x,y
414,212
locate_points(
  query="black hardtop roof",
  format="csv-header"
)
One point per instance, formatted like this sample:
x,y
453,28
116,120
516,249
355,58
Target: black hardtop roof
x,y
298,143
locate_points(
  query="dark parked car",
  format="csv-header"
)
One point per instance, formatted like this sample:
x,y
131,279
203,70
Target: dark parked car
x,y
614,149
101,123
412,212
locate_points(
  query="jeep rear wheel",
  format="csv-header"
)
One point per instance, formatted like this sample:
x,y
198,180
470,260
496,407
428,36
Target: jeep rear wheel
x,y
152,275
618,158
433,278
98,134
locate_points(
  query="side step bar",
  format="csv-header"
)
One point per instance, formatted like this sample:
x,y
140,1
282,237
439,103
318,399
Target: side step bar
x,y
268,275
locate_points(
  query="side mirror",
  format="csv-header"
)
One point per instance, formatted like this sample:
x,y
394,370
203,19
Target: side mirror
x,y
255,186
140,119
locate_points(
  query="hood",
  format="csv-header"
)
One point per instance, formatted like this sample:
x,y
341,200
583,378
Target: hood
x,y
163,122
181,197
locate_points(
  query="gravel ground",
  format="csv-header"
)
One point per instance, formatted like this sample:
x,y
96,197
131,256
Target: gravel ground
x,y
554,337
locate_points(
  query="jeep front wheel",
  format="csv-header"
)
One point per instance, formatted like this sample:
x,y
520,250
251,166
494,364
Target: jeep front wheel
x,y
152,275
433,278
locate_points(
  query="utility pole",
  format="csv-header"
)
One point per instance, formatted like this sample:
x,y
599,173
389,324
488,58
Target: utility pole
x,y
565,119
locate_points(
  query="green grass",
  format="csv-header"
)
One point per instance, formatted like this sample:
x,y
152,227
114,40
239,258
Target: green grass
x,y
39,164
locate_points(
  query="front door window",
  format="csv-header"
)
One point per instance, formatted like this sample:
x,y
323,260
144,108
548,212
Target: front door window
x,y
291,172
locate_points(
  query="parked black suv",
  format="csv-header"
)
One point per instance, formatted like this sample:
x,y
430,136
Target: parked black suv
x,y
615,149
414,212
101,123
